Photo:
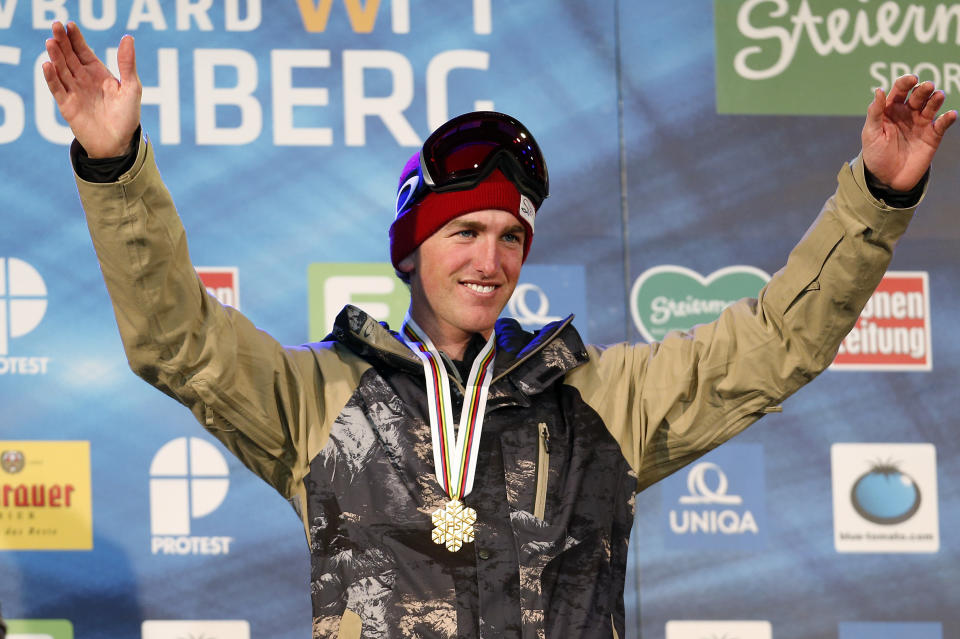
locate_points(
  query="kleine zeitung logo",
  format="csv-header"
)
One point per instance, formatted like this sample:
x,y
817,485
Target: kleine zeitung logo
x,y
893,330
189,479
23,303
223,282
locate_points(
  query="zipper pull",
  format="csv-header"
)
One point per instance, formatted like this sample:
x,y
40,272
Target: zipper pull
x,y
545,437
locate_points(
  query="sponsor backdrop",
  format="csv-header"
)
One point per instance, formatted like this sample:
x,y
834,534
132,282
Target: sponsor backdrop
x,y
689,148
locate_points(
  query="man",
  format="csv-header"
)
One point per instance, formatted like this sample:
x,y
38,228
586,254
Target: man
x,y
461,477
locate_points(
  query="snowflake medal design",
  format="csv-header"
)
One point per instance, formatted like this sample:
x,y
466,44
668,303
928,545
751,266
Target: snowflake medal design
x,y
453,525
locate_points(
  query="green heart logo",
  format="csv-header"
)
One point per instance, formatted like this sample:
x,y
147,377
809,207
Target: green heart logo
x,y
666,298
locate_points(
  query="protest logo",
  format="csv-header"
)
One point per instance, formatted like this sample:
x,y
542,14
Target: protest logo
x,y
885,498
23,303
222,282
666,298
769,52
189,479
45,496
893,331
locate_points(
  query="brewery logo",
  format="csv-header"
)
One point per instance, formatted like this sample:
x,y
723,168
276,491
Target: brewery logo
x,y
885,498
12,461
719,504
893,330
666,298
23,303
223,282
46,504
189,479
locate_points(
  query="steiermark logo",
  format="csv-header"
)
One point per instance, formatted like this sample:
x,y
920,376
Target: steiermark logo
x,y
769,52
669,297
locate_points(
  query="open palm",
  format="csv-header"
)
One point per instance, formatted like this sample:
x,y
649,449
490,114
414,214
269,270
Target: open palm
x,y
102,112
902,132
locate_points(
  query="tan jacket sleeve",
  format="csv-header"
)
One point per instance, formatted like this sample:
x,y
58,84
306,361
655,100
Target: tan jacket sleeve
x,y
668,403
269,404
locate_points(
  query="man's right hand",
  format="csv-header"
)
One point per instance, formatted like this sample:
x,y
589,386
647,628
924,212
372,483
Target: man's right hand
x,y
102,112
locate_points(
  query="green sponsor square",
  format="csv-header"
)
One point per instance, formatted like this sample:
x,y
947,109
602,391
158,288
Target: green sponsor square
x,y
371,286
40,628
825,57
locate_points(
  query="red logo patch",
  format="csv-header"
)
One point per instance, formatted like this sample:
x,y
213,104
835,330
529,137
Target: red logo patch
x,y
893,331
222,282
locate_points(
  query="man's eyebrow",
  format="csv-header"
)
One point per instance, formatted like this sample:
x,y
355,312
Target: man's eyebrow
x,y
475,225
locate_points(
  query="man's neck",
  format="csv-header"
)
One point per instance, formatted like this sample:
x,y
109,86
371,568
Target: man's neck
x,y
452,341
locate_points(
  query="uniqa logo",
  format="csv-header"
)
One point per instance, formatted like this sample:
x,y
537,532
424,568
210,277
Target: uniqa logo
x,y
885,495
711,521
519,306
22,300
188,480
669,297
841,31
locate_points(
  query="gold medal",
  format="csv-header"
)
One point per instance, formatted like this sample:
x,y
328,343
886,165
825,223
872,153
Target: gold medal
x,y
454,451
453,525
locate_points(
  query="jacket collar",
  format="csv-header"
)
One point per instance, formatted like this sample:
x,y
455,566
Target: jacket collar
x,y
532,361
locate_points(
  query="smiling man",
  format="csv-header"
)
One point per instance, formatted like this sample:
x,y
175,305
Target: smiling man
x,y
461,477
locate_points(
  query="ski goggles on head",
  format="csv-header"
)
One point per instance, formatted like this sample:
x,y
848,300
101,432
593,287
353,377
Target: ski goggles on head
x,y
464,151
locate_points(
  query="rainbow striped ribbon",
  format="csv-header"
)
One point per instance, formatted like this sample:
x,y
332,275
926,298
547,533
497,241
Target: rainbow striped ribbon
x,y
454,451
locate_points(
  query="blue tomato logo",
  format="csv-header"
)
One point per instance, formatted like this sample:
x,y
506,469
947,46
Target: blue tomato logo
x,y
885,495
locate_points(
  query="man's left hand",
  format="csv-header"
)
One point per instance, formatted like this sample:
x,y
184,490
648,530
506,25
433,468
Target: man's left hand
x,y
902,132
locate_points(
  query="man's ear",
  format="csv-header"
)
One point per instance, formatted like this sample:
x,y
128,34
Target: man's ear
x,y
408,264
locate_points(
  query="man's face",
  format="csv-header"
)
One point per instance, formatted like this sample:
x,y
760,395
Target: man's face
x,y
462,276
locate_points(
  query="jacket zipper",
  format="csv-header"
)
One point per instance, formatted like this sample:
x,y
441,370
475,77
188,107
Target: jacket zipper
x,y
543,468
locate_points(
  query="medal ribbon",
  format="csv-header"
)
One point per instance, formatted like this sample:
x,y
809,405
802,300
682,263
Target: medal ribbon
x,y
454,452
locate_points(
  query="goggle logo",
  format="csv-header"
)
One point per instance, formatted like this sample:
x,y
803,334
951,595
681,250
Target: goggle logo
x,y
22,300
188,479
405,194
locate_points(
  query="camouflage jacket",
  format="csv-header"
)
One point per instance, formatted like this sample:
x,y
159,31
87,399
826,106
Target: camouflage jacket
x,y
340,427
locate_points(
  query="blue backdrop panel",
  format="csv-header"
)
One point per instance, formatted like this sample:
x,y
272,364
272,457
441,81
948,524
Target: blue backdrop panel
x,y
621,97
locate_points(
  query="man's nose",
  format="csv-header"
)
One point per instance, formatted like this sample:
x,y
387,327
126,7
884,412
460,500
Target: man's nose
x,y
486,258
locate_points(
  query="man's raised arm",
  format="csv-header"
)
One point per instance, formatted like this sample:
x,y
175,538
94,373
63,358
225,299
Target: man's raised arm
x,y
102,112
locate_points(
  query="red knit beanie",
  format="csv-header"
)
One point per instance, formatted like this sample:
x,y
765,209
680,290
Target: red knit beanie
x,y
418,220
